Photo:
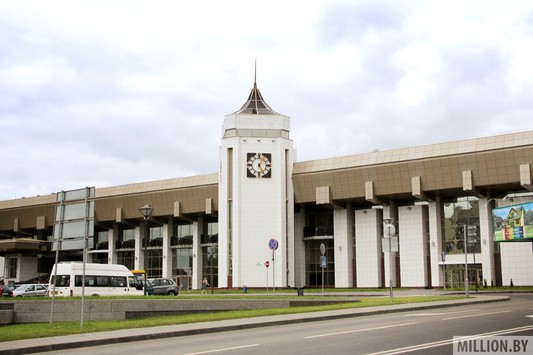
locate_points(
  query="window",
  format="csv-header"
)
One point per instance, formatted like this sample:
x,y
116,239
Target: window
x,y
101,281
62,280
126,258
128,234
11,267
456,214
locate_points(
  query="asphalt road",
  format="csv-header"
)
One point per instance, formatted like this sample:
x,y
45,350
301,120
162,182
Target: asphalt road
x,y
423,332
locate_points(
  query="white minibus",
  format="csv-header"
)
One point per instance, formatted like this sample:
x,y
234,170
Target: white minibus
x,y
100,280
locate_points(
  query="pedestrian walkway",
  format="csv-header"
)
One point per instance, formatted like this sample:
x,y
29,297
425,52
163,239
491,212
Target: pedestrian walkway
x,y
127,335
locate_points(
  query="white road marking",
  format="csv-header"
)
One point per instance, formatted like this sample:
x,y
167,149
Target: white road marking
x,y
440,313
358,330
450,341
423,314
476,315
223,349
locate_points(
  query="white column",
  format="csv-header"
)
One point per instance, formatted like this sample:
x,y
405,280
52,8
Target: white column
x,y
343,220
413,248
167,253
299,249
113,235
197,227
139,250
486,229
368,247
435,241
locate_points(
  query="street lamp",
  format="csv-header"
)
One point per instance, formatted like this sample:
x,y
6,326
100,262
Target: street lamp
x,y
211,248
146,211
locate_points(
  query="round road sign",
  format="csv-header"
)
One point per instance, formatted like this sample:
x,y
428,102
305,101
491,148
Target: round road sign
x,y
267,264
273,244
389,230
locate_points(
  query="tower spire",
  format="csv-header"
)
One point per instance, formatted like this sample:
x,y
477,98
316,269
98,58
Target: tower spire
x,y
255,104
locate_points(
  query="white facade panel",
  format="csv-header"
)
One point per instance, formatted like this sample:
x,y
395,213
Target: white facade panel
x,y
413,248
517,263
368,248
344,246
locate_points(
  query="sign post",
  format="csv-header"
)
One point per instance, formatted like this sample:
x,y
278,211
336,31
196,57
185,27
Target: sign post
x,y
389,231
443,254
472,234
273,245
467,287
267,264
323,263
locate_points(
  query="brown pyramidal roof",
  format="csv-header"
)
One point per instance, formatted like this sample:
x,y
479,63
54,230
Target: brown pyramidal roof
x,y
255,104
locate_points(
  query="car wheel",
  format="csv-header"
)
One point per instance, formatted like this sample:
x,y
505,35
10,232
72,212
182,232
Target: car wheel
x,y
171,293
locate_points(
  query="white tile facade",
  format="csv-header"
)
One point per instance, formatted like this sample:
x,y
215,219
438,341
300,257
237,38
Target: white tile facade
x,y
413,246
368,247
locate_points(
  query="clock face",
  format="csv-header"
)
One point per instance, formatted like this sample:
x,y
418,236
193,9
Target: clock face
x,y
258,165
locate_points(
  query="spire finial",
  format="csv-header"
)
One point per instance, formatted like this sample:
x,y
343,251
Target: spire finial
x,y
255,72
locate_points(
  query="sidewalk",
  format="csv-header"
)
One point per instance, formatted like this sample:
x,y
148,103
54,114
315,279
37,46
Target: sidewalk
x,y
127,335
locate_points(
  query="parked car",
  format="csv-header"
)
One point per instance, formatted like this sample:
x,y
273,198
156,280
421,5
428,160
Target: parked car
x,y
30,290
163,286
6,291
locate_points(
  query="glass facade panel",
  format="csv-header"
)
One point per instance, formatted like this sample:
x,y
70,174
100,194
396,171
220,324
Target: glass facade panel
x,y
11,267
126,239
102,240
210,264
456,214
126,258
318,222
313,269
155,237
155,263
182,235
182,270
99,258
210,234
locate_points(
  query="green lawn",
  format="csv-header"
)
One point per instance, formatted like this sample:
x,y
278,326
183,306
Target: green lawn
x,y
38,330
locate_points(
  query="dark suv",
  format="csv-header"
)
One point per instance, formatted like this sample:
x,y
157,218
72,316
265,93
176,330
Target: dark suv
x,y
163,287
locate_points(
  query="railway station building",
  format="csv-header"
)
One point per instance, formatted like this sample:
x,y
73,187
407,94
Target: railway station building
x,y
265,219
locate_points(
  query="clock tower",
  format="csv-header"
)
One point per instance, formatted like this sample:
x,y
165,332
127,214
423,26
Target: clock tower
x,y
256,203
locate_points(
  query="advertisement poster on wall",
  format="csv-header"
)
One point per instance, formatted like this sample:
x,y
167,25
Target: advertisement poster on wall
x,y
513,223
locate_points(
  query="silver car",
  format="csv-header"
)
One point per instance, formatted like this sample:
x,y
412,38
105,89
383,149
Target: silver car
x,y
163,286
30,290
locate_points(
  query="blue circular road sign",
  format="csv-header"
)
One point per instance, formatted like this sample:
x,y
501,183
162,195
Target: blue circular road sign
x,y
273,244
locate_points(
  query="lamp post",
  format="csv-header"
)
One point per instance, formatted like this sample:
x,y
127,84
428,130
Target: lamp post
x,y
211,249
146,211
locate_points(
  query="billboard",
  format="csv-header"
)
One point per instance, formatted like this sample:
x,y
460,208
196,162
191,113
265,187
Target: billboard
x,y
74,220
513,223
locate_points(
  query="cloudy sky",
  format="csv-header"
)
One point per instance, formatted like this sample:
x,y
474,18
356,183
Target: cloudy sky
x,y
104,93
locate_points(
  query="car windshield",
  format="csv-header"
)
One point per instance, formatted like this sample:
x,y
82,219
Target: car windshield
x,y
21,288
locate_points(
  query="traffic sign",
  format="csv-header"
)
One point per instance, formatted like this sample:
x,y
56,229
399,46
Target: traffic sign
x,y
322,248
389,230
323,262
267,264
273,244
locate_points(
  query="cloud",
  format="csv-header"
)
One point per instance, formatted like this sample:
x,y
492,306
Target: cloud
x,y
102,93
